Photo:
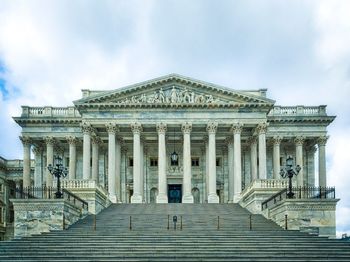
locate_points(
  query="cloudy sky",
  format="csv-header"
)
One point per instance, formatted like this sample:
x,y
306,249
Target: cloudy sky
x,y
298,50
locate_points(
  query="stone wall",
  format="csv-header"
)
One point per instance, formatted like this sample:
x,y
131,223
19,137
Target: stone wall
x,y
34,216
316,216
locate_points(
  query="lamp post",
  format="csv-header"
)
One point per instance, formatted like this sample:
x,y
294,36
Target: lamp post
x,y
289,172
174,156
58,171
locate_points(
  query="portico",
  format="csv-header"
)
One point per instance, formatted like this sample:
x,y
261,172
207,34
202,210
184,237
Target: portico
x,y
225,139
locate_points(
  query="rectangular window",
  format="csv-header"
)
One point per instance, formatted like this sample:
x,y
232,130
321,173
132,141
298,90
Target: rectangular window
x,y
153,161
195,161
131,161
218,161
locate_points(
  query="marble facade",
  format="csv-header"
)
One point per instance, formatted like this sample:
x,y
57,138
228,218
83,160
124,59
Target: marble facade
x,y
225,139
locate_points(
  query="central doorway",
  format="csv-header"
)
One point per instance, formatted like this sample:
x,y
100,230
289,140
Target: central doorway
x,y
174,193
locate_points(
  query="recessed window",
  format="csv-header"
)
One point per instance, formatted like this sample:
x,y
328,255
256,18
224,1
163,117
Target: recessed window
x,y
131,161
153,161
195,161
218,161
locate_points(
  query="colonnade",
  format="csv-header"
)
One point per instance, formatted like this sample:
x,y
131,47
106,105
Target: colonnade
x,y
91,144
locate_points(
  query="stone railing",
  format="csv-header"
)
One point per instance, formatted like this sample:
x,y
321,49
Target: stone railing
x,y
298,111
49,111
81,184
266,183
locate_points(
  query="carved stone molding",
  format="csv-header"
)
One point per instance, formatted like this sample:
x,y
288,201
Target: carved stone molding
x,y
186,128
262,128
26,140
252,140
72,140
161,128
237,128
86,128
276,140
136,128
49,140
299,140
212,127
322,140
112,128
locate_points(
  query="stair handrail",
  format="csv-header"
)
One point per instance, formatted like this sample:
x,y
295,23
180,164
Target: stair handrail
x,y
84,204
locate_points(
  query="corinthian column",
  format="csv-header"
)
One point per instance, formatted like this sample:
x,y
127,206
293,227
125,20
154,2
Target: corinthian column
x,y
253,159
96,141
230,159
112,129
26,160
38,178
87,131
299,141
276,156
118,152
72,141
237,163
50,141
262,128
187,177
136,130
322,176
212,196
162,182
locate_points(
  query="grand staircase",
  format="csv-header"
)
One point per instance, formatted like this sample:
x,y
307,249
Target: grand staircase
x,y
204,232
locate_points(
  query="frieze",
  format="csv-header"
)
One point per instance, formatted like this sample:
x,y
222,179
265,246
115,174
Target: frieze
x,y
175,95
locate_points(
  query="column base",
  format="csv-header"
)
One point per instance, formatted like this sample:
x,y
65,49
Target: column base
x,y
136,199
187,199
237,198
162,199
113,198
213,198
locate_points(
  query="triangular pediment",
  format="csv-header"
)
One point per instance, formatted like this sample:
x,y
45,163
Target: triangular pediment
x,y
174,90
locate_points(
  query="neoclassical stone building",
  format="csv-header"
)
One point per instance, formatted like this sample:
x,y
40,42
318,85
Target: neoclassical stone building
x,y
174,139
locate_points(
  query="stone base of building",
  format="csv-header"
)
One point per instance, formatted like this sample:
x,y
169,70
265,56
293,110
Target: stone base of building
x,y
213,198
187,199
35,216
315,216
162,199
136,199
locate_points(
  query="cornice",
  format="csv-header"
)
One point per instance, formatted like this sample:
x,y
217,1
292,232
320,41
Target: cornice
x,y
300,119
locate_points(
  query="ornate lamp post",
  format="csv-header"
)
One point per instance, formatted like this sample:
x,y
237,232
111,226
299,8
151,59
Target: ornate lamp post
x,y
58,171
289,172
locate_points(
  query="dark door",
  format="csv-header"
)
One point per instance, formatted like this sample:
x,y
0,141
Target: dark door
x,y
174,193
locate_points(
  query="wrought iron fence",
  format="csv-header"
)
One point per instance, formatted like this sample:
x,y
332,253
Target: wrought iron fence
x,y
49,193
300,193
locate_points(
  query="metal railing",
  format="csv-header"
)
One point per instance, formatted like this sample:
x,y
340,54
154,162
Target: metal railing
x,y
300,193
49,193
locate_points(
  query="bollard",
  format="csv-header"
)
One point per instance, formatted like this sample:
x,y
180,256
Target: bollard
x,y
286,222
130,227
250,222
218,222
174,220
94,222
168,222
180,222
63,222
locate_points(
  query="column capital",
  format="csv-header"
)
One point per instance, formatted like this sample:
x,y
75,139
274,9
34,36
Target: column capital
x,y
276,140
86,128
311,149
96,140
229,141
49,140
37,149
322,140
262,128
26,140
252,140
121,141
212,127
72,140
136,128
237,128
112,128
299,140
161,128
186,128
